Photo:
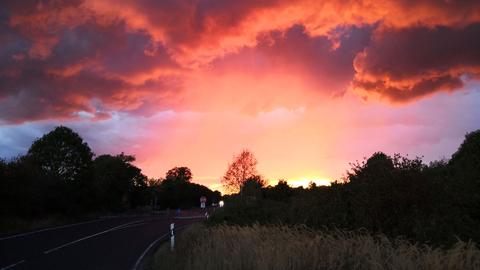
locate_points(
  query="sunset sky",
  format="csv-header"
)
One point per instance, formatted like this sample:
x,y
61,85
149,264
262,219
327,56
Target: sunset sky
x,y
307,86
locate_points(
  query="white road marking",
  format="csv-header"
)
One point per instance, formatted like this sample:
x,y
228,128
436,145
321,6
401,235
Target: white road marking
x,y
90,236
139,260
137,263
48,229
12,265
134,225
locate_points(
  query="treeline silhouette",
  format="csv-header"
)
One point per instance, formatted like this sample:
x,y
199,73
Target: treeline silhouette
x,y
60,175
398,196
176,190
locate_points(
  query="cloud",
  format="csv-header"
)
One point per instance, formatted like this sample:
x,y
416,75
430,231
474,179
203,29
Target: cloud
x,y
197,31
86,59
316,142
406,64
94,68
286,69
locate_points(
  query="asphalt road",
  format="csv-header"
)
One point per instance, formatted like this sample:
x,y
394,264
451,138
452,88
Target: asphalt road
x,y
114,243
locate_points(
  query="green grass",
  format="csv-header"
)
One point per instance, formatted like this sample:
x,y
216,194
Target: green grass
x,y
282,247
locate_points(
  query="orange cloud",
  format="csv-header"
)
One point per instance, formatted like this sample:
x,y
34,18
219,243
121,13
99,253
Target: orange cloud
x,y
198,31
148,56
406,64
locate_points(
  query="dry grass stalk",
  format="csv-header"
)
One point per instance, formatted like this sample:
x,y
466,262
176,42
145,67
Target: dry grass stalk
x,y
282,247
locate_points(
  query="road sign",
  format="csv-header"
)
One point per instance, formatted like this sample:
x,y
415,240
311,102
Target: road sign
x,y
203,201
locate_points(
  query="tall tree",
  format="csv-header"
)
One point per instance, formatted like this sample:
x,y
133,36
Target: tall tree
x,y
465,166
182,174
243,167
467,156
118,183
177,190
62,153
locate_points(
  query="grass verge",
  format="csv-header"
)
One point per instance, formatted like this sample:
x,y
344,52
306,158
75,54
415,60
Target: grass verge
x,y
282,247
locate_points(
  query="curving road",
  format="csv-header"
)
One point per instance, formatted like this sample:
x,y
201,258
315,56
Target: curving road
x,y
114,243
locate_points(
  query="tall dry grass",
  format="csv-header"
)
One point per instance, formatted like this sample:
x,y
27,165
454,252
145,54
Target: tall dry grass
x,y
281,247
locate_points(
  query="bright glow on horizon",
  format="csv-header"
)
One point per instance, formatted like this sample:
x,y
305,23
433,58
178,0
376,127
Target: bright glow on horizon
x,y
297,182
304,182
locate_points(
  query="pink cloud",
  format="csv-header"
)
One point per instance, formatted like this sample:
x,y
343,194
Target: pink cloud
x,y
59,59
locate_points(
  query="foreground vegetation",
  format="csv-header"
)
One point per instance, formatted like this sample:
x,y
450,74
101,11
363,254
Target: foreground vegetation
x,y
435,204
282,247
388,212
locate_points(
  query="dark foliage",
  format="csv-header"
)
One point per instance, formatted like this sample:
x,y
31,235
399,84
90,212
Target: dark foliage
x,y
176,190
395,195
59,176
281,192
181,174
62,153
118,185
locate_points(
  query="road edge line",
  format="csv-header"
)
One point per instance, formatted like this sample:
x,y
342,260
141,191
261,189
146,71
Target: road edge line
x,y
12,265
140,259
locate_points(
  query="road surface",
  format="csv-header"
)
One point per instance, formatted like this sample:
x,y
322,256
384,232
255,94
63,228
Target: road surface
x,y
113,243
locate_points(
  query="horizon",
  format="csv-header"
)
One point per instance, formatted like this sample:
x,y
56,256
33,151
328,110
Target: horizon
x,y
299,182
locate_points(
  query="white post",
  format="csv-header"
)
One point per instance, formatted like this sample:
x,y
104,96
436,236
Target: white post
x,y
172,236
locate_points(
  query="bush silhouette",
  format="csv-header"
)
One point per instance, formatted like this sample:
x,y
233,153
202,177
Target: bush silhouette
x,y
437,203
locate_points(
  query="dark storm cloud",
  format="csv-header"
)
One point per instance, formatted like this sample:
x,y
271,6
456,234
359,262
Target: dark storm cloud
x,y
86,63
59,59
405,64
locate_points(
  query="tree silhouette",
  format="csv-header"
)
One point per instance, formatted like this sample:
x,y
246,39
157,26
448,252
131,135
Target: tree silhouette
x,y
252,187
468,154
242,168
377,167
182,174
117,182
465,166
62,153
280,192
58,177
176,190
